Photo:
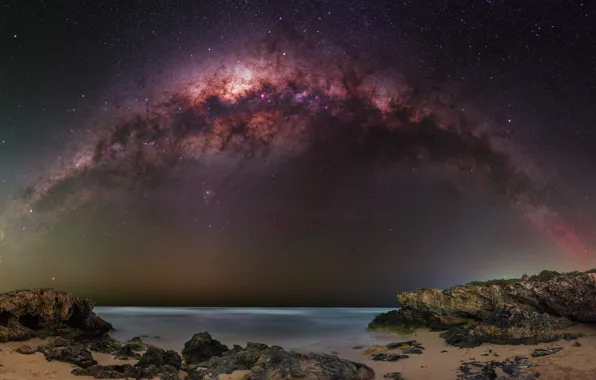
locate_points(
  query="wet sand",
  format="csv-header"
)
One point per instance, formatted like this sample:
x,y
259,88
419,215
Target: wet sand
x,y
439,361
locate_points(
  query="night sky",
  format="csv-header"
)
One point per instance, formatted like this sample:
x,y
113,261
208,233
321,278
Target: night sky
x,y
293,152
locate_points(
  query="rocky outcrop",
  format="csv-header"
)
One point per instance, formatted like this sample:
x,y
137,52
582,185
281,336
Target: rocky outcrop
x,y
63,350
154,362
273,362
25,314
201,347
524,311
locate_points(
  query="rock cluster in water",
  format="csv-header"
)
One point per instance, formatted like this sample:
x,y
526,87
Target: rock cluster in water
x,y
520,311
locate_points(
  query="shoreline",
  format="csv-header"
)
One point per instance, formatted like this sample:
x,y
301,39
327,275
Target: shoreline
x,y
438,360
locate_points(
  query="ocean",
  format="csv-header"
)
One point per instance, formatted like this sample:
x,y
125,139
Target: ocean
x,y
329,330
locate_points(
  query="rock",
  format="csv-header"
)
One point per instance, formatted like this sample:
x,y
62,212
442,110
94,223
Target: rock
x,y
265,362
159,358
153,365
202,347
501,311
25,314
388,357
577,344
107,371
460,337
395,321
395,345
169,372
126,352
68,352
413,350
488,371
25,350
394,376
137,344
539,352
131,349
573,336
105,344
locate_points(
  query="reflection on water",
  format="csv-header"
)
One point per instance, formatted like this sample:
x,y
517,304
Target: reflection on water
x,y
304,329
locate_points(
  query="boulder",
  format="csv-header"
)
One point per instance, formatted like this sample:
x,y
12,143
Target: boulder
x,y
159,358
130,349
202,347
25,314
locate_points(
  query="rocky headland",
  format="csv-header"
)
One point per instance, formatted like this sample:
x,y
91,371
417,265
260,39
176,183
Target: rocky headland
x,y
39,313
529,310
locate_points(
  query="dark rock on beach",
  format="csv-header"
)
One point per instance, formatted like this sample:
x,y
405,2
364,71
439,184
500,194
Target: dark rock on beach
x,y
66,351
265,362
523,311
388,357
407,344
539,352
107,371
26,314
394,376
159,358
155,362
413,350
105,344
515,369
128,371
202,347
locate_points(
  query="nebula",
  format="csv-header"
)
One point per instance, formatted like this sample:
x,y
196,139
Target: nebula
x,y
281,100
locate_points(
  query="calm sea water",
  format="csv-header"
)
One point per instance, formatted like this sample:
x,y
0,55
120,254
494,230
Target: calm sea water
x,y
302,329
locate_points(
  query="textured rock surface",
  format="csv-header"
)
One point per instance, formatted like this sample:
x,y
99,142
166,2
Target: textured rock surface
x,y
25,314
394,376
265,362
388,357
159,358
128,371
525,311
514,369
66,351
201,347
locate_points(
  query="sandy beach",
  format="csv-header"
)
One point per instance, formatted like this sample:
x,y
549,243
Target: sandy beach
x,y
441,361
438,361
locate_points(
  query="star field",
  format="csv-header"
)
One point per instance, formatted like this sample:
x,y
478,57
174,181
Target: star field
x,y
243,152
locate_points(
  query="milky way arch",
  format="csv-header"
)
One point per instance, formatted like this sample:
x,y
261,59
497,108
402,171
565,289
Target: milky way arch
x,y
283,100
